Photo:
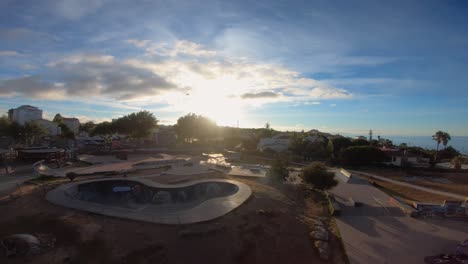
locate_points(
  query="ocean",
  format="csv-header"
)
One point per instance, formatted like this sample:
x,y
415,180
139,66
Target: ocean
x,y
459,143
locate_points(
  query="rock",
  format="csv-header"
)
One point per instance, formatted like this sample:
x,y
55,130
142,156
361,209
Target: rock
x,y
322,248
319,235
20,245
316,222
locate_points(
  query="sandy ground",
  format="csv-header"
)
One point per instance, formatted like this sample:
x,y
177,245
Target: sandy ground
x,y
449,182
278,235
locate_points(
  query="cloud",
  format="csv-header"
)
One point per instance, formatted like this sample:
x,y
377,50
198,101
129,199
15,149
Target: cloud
x,y
75,9
180,47
260,95
181,79
9,53
81,76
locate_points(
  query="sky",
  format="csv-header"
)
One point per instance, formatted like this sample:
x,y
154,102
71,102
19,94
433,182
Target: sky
x,y
396,67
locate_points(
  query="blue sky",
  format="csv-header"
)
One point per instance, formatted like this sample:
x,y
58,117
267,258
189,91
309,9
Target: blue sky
x,y
397,67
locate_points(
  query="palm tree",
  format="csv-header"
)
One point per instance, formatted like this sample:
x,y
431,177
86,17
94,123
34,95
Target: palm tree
x,y
445,139
441,137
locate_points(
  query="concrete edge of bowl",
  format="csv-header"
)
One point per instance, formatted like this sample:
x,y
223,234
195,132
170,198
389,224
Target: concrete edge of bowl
x,y
205,211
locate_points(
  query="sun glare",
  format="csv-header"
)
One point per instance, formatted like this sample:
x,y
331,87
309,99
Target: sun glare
x,y
215,98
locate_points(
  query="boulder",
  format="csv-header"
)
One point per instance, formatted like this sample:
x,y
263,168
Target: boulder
x,y
20,245
322,248
319,235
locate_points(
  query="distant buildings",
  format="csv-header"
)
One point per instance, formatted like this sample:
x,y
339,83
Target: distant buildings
x,y
278,143
398,157
24,113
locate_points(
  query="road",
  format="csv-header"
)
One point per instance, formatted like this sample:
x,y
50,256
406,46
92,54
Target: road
x,y
379,232
448,194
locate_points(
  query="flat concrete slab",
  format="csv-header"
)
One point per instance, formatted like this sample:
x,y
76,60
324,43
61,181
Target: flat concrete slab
x,y
379,231
205,211
248,171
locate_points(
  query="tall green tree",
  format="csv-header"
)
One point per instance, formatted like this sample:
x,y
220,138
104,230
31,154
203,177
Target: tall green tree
x,y
192,126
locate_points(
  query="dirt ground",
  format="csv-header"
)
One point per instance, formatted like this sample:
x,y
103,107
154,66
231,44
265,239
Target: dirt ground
x,y
273,226
457,182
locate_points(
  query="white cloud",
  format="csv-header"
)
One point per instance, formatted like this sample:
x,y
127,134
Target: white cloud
x,y
184,78
75,9
181,47
9,53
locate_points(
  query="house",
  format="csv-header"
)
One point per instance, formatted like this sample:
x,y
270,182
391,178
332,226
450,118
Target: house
x,y
24,113
52,128
399,157
278,143
72,123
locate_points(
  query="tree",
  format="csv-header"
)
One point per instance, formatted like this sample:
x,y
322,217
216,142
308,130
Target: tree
x,y
103,129
66,132
30,131
58,119
440,137
359,142
87,127
192,126
403,146
138,125
279,170
5,126
331,149
319,177
362,155
341,143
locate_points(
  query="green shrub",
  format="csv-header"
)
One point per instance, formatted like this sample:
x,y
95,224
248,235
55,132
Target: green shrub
x,y
279,170
319,177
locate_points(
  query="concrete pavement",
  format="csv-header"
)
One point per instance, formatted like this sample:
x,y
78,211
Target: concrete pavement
x,y
379,232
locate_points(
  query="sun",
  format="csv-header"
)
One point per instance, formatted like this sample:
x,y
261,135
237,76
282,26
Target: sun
x,y
216,99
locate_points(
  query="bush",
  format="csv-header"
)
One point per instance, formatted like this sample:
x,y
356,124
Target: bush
x,y
71,176
317,175
279,170
362,155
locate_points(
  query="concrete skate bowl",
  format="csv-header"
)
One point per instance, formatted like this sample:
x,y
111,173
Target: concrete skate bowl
x,y
145,200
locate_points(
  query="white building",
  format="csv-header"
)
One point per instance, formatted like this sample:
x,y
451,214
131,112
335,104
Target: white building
x,y
277,143
399,157
72,123
52,128
25,113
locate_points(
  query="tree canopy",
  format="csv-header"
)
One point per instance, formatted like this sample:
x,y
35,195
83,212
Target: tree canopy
x,y
135,125
192,126
362,155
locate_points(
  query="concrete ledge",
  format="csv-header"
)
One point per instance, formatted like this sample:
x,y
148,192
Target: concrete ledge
x,y
205,211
